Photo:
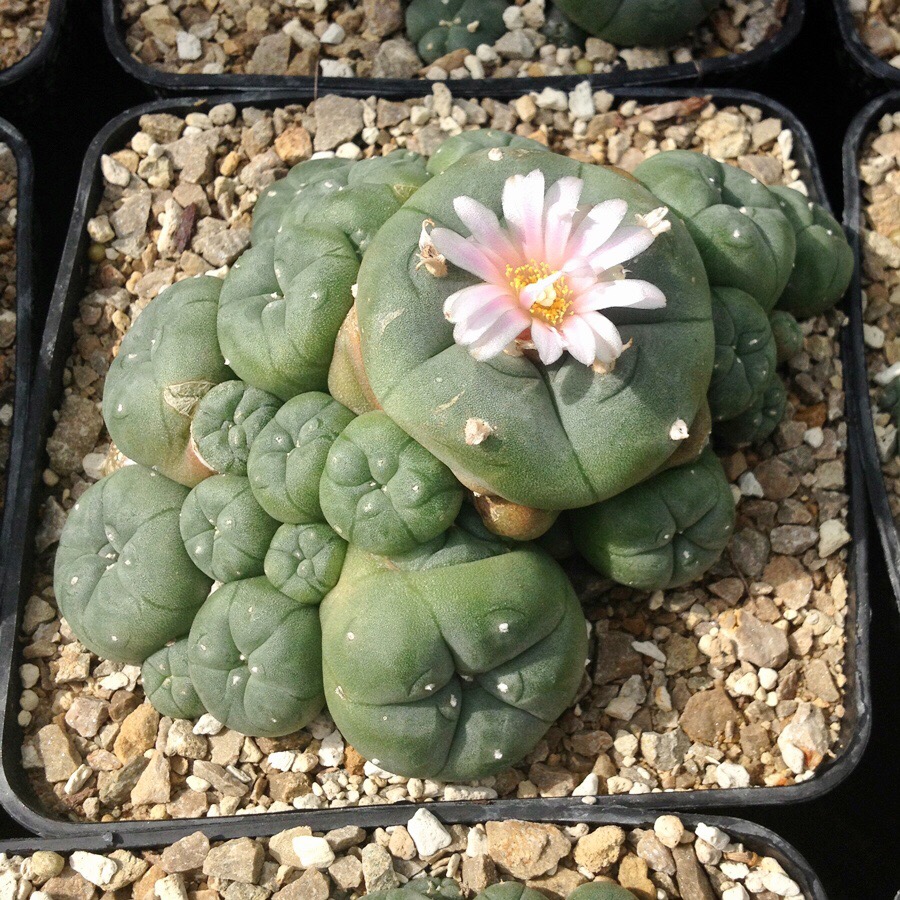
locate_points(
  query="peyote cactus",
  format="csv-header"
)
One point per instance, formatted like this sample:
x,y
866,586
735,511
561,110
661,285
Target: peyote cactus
x,y
167,682
421,889
305,561
225,530
664,532
383,492
168,360
123,579
824,264
438,27
655,23
255,658
601,890
759,421
745,239
534,329
226,423
509,890
745,353
787,334
288,457
430,670
467,407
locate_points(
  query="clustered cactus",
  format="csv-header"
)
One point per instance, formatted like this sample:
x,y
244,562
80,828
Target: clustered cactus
x,y
358,458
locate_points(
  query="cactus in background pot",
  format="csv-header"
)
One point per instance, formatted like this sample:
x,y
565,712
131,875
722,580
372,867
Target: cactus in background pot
x,y
655,23
438,27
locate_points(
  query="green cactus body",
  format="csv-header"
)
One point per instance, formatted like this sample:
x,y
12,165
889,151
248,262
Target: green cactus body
x,y
432,672
122,578
509,890
383,492
824,264
225,531
168,685
307,183
745,353
889,400
560,436
438,27
744,238
421,889
787,334
255,658
288,457
560,30
281,307
601,890
663,533
654,23
468,142
305,561
168,360
226,423
759,421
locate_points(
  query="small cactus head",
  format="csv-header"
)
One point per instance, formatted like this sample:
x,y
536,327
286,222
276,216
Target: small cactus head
x,y
438,27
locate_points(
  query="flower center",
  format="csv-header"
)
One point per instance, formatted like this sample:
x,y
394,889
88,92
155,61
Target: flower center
x,y
548,290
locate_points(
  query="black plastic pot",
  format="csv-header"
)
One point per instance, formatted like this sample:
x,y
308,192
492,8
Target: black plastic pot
x,y
754,837
16,792
857,371
42,53
873,73
24,305
733,69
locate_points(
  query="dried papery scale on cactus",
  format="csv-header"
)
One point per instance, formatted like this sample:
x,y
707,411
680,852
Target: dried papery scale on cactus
x,y
627,23
438,27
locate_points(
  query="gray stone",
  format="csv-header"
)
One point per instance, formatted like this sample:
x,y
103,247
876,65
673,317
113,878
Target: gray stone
x,y
58,754
75,434
338,120
116,787
187,854
759,643
220,245
693,882
665,751
396,58
709,716
347,873
525,849
131,217
378,869
237,860
224,782
793,540
271,55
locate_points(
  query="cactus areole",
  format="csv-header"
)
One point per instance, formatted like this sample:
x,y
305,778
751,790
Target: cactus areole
x,y
547,327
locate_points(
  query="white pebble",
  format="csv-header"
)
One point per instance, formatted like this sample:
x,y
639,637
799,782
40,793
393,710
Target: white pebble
x,y
333,34
713,836
331,750
208,724
750,486
428,833
313,852
188,46
590,787
669,830
92,867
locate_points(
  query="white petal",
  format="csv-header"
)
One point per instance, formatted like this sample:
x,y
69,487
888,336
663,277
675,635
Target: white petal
x,y
609,345
547,342
503,332
560,207
463,303
596,227
485,227
625,244
523,208
465,254
482,319
630,293
579,339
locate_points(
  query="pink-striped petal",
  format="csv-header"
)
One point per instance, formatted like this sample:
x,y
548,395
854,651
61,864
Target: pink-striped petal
x,y
560,207
579,339
465,254
485,227
523,208
500,335
547,342
597,226
627,293
463,303
627,243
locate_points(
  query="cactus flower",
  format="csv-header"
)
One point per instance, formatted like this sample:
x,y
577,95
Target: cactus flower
x,y
549,274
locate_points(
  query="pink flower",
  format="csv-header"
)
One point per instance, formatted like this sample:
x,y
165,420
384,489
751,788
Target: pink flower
x,y
548,273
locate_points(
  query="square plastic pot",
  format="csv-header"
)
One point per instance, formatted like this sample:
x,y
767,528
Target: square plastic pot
x,y
42,55
734,69
16,792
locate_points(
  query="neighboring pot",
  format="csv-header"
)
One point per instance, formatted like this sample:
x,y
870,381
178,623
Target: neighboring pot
x,y
41,55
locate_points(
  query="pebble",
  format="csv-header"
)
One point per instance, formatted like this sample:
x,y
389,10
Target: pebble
x,y
428,833
313,852
96,869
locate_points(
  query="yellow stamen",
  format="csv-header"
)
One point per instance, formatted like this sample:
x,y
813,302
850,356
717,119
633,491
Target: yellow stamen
x,y
554,302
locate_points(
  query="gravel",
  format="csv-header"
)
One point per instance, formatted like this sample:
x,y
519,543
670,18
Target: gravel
x,y
690,689
21,28
880,234
8,206
349,39
665,861
878,22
